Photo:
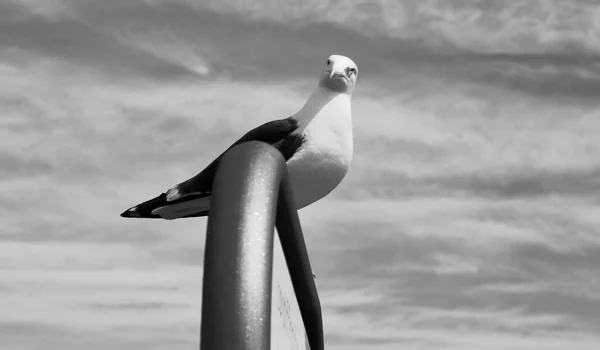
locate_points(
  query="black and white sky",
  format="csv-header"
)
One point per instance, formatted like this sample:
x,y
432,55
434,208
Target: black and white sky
x,y
469,220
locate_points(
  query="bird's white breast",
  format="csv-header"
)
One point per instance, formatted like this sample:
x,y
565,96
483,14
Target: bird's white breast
x,y
324,158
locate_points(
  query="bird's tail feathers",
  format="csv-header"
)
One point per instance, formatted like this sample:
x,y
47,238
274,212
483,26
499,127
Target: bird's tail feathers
x,y
184,189
161,208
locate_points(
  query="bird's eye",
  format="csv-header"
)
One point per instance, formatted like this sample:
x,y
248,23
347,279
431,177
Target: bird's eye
x,y
328,62
353,70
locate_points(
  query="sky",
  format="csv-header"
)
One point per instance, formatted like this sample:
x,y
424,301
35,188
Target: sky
x,y
469,219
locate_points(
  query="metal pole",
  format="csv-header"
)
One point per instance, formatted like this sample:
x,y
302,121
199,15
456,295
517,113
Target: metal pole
x,y
238,261
298,262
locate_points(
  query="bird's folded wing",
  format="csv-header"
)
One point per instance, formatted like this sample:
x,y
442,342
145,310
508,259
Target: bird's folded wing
x,y
277,133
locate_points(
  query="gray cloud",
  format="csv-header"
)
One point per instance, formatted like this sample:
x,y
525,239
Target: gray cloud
x,y
410,277
188,255
18,167
175,40
483,26
516,184
76,42
583,260
67,232
135,305
23,336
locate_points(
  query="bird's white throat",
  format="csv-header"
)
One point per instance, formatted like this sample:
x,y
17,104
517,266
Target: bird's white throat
x,y
321,101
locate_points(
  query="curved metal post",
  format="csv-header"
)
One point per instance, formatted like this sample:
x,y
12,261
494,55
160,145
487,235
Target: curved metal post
x,y
251,194
236,302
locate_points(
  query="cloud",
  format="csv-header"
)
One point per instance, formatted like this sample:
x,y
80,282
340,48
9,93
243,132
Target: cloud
x,y
515,183
439,281
31,335
77,43
183,40
483,26
51,10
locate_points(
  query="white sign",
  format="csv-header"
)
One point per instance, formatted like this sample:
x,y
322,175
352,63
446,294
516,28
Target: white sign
x,y
287,328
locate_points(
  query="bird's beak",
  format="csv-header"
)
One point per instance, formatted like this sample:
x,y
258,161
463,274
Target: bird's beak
x,y
334,73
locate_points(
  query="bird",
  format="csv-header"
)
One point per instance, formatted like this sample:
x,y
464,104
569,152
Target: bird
x,y
316,143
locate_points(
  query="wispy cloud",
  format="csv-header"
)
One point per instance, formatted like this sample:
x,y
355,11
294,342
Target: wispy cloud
x,y
481,26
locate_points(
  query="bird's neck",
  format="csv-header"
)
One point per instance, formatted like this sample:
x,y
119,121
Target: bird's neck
x,y
319,99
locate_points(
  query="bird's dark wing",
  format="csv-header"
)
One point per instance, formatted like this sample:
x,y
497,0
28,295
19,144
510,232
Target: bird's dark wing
x,y
276,133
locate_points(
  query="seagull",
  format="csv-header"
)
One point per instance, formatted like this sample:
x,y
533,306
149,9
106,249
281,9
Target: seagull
x,y
316,143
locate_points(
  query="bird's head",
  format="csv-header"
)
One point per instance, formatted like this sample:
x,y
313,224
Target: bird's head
x,y
339,75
